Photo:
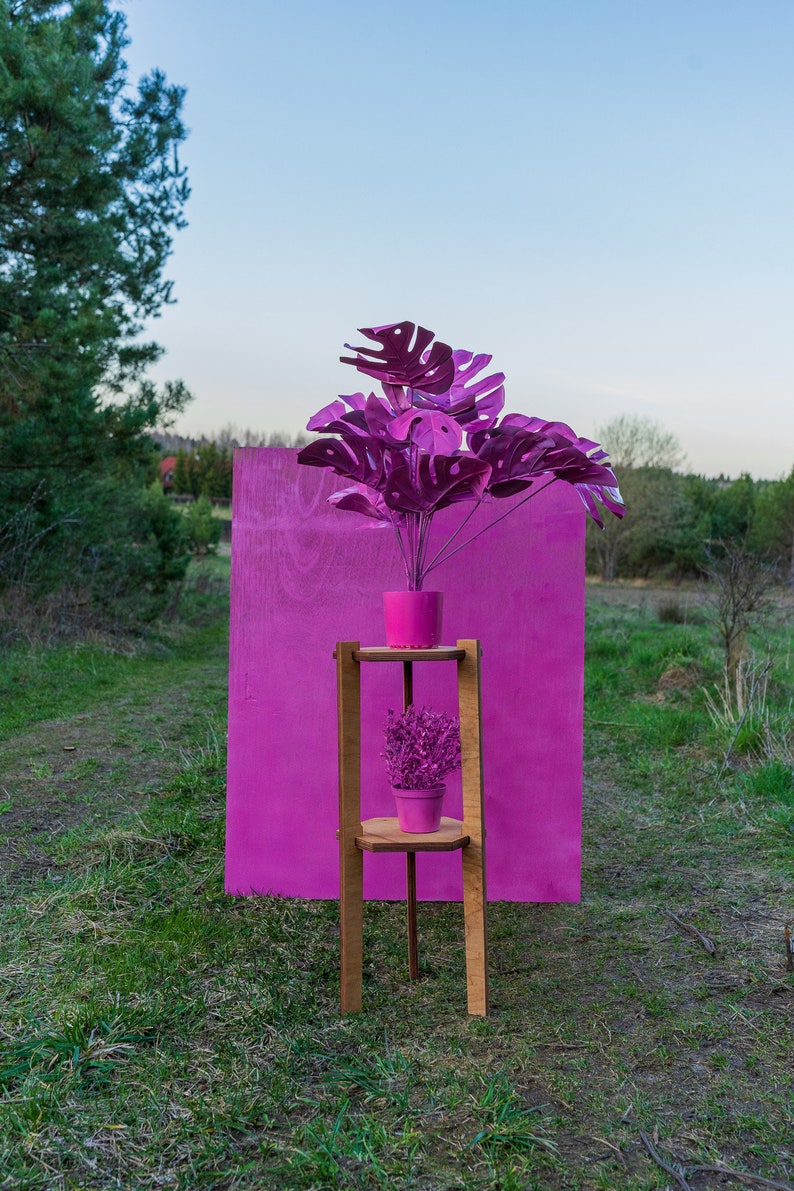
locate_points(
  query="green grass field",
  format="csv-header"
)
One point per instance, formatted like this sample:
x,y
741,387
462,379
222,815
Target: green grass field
x,y
158,1034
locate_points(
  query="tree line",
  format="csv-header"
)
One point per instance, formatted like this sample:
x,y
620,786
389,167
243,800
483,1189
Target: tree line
x,y
677,522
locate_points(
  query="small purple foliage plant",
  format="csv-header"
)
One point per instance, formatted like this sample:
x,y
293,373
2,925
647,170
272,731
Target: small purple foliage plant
x,y
422,747
437,438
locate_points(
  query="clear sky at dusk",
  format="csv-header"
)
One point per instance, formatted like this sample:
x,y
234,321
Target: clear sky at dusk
x,y
600,194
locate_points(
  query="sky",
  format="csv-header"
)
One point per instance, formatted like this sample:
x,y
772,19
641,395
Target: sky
x,y
598,194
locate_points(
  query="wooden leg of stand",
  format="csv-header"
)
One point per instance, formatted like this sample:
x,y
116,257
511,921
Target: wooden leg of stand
x,y
474,912
408,684
351,860
351,922
473,857
413,941
410,857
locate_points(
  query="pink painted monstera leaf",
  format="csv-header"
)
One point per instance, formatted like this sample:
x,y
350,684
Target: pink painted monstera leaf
x,y
404,357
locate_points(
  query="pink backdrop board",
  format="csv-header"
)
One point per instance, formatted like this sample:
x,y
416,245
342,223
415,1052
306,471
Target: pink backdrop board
x,y
305,575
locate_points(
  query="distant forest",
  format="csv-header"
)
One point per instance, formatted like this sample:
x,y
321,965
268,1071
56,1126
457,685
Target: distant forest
x,y
676,524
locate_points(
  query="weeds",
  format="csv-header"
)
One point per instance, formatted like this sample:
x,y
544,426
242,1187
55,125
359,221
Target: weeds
x,y
84,1050
777,739
510,1126
738,710
743,696
385,1079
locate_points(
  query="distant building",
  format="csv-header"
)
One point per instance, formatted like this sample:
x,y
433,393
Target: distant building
x,y
167,466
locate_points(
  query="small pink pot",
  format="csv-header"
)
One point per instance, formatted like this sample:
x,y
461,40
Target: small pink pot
x,y
419,811
413,618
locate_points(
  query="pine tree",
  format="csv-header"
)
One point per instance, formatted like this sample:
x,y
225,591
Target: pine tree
x,y
91,193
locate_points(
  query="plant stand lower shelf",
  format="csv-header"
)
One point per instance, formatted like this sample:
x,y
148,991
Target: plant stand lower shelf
x,y
384,835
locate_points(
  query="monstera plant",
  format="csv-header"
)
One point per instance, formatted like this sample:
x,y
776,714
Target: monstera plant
x,y
436,437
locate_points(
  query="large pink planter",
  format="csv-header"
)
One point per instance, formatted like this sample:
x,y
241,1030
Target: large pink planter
x,y
419,811
413,618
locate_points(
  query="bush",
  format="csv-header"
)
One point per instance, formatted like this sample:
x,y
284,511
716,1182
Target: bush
x,y
671,612
202,526
101,556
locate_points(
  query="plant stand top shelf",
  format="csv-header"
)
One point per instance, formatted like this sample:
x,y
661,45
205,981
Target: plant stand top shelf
x,y
385,653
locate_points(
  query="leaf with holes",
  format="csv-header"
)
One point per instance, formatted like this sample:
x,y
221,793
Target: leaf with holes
x,y
405,357
360,458
435,483
360,499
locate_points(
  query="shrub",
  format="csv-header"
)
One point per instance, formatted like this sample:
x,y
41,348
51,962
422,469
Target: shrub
x,y
670,611
102,556
203,528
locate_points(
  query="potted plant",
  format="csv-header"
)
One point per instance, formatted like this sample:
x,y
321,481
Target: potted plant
x,y
437,437
422,749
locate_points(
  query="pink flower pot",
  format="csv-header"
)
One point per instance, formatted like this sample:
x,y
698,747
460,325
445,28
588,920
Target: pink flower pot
x,y
413,618
419,811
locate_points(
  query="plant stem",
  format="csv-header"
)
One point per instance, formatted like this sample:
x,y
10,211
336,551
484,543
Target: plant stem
x,y
451,539
425,521
442,557
401,545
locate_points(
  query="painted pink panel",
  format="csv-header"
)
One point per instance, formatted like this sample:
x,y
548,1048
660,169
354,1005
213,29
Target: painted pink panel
x,y
305,576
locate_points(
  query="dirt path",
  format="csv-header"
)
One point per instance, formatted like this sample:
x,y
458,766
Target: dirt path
x,y
105,761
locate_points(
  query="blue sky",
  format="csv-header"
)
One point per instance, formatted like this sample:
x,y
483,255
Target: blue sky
x,y
600,194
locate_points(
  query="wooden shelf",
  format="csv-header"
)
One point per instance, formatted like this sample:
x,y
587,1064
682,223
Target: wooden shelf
x,y
385,653
384,835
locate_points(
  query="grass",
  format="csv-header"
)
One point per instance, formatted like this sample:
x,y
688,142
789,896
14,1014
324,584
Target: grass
x,y
87,729
156,1033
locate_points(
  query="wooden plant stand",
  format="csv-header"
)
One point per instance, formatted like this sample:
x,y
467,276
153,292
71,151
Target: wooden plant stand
x,y
384,834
